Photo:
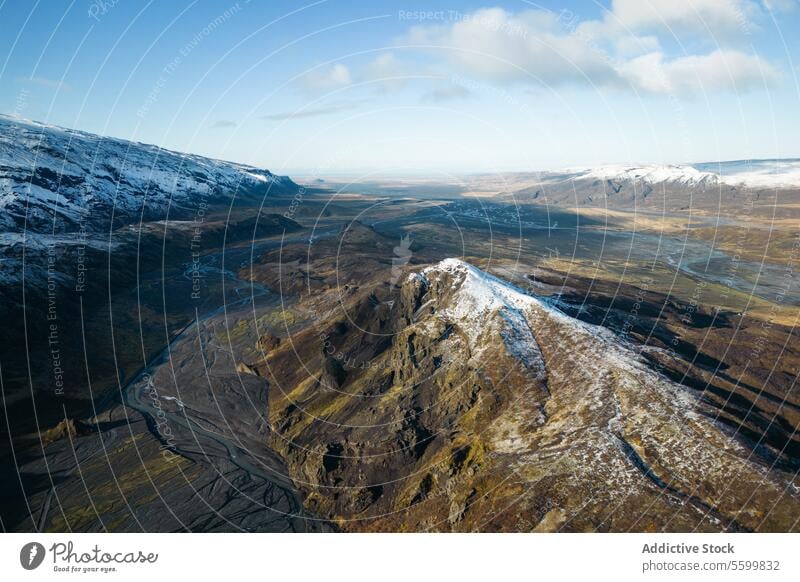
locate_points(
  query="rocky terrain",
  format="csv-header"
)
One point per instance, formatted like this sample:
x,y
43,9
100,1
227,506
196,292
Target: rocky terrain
x,y
83,220
199,345
457,401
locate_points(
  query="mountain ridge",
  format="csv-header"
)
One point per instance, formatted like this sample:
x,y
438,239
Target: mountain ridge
x,y
54,179
484,395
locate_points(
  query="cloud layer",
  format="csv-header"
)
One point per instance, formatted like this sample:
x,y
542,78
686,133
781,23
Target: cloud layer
x,y
325,78
622,50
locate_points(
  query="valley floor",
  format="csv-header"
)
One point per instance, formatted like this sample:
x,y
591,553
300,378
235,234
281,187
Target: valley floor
x,y
313,390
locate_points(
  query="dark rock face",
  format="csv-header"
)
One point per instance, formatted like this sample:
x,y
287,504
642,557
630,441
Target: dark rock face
x,y
268,342
391,406
452,401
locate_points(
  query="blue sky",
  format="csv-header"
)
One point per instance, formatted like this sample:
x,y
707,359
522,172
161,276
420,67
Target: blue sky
x,y
336,87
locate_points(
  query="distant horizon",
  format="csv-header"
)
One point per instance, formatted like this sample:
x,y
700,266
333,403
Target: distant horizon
x,y
409,173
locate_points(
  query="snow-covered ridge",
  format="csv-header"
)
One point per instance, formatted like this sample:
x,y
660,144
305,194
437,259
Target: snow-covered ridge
x,y
757,173
478,297
747,173
77,178
478,294
651,174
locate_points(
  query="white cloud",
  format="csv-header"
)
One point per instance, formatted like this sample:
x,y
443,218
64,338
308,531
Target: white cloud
x,y
386,71
223,124
496,45
311,111
721,70
537,46
327,78
631,45
647,73
719,18
45,82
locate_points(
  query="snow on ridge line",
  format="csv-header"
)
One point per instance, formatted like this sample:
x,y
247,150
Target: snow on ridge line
x,y
254,172
756,174
604,350
652,174
486,291
480,293
764,174
49,173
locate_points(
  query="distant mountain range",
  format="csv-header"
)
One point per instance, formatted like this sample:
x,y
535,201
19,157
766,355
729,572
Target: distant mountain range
x,y
745,173
55,180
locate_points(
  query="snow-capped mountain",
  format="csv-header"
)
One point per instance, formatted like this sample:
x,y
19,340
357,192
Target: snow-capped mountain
x,y
671,187
650,174
66,180
756,173
742,173
484,387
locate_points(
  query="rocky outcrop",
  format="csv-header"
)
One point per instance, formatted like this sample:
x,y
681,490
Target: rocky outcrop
x,y
267,342
455,401
242,368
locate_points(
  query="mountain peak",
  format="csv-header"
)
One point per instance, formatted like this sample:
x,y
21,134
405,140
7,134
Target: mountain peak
x,y
479,292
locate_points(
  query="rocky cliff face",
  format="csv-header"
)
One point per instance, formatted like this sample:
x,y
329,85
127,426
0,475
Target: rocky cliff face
x,y
455,401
